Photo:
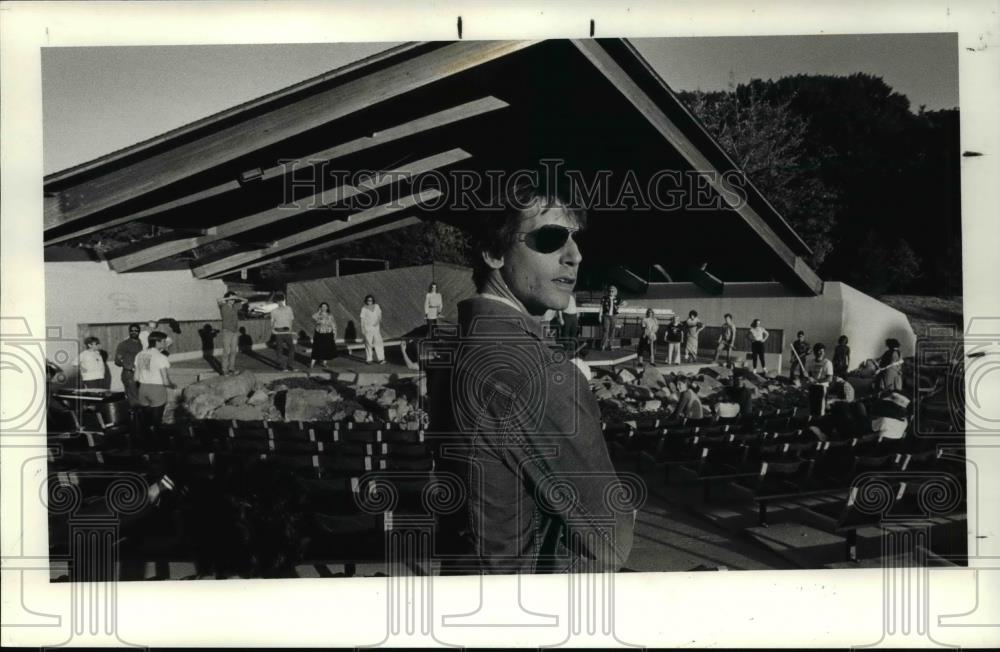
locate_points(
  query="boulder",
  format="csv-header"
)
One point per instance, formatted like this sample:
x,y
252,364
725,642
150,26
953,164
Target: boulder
x,y
226,386
385,396
651,406
240,413
306,404
638,392
204,404
709,385
626,376
603,393
652,377
260,397
366,378
237,400
618,391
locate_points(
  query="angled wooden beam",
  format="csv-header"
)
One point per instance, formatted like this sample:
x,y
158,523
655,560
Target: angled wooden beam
x,y
255,133
708,282
171,245
805,277
367,231
150,213
413,127
356,220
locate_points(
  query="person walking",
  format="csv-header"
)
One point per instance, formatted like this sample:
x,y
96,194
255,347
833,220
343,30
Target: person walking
x,y
125,354
611,303
324,342
433,306
282,321
371,331
229,307
674,336
727,338
692,327
757,336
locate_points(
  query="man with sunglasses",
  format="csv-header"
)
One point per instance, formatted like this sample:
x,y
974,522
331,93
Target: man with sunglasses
x,y
513,416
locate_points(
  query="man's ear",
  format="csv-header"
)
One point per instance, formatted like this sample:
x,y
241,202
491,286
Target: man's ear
x,y
492,261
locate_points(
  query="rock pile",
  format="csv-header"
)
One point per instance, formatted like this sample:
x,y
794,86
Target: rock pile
x,y
648,392
304,399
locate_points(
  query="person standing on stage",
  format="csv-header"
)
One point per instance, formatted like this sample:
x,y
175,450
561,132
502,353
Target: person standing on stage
x,y
674,336
371,331
610,305
726,340
324,343
757,336
125,358
433,306
692,327
647,343
282,321
229,309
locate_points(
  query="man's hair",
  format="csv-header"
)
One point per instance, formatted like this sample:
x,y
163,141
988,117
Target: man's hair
x,y
727,316
693,313
87,341
819,346
892,343
279,296
134,327
800,333
229,294
842,339
494,230
155,337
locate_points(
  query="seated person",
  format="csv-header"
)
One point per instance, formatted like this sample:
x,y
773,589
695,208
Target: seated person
x,y
690,406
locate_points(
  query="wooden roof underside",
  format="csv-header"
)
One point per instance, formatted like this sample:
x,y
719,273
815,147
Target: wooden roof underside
x,y
246,176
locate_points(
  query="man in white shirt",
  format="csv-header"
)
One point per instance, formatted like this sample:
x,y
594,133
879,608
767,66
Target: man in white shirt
x,y
820,372
91,364
151,372
282,320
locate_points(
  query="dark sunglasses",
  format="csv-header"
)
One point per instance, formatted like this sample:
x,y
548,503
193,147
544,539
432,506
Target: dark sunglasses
x,y
549,238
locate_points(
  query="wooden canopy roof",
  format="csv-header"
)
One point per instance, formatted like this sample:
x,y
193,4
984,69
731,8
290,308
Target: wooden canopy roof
x,y
259,175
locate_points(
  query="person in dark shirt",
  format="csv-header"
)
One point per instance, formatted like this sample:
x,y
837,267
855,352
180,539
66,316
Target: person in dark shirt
x,y
513,416
674,335
841,357
800,348
125,358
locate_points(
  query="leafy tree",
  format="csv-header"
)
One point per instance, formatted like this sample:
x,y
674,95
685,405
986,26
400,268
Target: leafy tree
x,y
767,141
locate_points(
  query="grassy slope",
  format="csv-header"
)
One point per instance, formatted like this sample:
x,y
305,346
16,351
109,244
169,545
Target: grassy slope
x,y
927,311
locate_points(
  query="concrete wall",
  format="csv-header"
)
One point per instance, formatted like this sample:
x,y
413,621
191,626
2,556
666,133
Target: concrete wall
x,y
840,310
89,292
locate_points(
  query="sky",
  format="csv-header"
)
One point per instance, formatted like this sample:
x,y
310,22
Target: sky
x,y
99,99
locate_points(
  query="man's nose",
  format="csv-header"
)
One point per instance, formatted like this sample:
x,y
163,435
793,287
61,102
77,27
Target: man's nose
x,y
571,253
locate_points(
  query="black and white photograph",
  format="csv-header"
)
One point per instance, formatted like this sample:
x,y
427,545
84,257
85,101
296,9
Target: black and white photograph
x,y
438,308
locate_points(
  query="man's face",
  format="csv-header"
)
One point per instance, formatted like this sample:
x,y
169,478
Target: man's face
x,y
820,354
801,336
133,333
613,291
542,281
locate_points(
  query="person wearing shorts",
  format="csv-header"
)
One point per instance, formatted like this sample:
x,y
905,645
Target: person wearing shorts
x,y
151,368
